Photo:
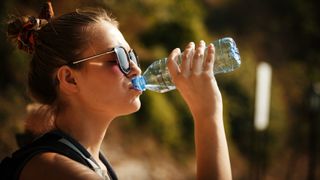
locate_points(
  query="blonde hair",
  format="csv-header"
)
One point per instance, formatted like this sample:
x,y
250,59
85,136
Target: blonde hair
x,y
39,119
54,43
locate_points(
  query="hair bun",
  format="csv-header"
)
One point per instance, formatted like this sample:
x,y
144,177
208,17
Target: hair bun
x,y
23,29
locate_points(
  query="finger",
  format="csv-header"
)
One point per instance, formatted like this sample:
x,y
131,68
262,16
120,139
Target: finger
x,y
172,64
197,62
186,58
210,57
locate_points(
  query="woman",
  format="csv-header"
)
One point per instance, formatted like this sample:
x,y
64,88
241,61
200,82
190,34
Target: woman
x,y
81,72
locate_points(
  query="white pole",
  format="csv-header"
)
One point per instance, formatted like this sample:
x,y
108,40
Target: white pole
x,y
262,101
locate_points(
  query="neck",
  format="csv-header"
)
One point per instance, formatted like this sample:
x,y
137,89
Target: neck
x,y
88,128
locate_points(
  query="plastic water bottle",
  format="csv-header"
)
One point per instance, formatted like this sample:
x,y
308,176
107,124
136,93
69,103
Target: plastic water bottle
x,y
157,77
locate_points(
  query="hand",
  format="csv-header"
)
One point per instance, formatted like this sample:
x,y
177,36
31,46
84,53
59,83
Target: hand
x,y
195,80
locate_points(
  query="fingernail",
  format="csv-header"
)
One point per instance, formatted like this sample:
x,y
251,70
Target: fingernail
x,y
212,47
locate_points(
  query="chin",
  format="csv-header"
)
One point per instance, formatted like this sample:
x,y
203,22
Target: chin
x,y
134,106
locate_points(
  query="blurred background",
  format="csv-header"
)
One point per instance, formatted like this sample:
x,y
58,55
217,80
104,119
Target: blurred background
x,y
157,142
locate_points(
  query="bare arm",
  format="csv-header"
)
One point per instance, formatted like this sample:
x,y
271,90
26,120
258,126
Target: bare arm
x,y
196,83
55,166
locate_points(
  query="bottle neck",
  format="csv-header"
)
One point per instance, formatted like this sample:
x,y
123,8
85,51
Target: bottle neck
x,y
139,83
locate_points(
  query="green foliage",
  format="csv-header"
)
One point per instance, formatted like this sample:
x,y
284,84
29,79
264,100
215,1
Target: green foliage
x,y
168,34
161,119
283,33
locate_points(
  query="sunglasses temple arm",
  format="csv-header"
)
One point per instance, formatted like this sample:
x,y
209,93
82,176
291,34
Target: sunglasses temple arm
x,y
92,57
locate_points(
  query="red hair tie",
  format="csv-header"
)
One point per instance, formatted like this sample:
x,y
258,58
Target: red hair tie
x,y
27,38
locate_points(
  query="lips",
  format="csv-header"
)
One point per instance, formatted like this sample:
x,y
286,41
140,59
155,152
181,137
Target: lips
x,y
130,85
132,88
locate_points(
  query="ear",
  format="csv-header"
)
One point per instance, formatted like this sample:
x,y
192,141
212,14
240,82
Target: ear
x,y
67,80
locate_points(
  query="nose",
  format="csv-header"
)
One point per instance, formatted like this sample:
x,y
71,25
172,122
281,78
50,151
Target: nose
x,y
135,70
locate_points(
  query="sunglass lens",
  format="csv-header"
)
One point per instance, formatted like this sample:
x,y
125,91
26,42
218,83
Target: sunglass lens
x,y
123,59
133,56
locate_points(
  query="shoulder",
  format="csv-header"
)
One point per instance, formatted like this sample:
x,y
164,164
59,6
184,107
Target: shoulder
x,y
55,166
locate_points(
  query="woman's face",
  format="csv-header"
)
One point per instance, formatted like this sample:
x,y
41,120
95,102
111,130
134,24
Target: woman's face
x,y
102,85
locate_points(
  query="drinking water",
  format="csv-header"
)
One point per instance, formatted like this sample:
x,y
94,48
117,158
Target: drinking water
x,y
157,77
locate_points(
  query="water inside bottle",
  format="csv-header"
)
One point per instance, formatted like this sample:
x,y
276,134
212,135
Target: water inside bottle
x,y
159,88
157,77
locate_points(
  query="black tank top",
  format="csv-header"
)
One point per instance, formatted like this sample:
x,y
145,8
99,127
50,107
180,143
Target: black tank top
x,y
57,142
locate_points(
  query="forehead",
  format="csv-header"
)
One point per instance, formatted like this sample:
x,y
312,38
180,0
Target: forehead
x,y
106,36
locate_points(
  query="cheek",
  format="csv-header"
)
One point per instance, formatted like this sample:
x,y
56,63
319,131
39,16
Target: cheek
x,y
116,70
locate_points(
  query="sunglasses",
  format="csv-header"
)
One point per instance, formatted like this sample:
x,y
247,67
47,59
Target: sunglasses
x,y
123,58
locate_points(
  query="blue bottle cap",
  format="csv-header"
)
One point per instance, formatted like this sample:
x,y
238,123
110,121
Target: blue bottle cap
x,y
139,83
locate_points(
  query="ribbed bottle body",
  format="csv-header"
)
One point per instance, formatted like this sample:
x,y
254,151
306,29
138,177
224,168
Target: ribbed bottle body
x,y
157,77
